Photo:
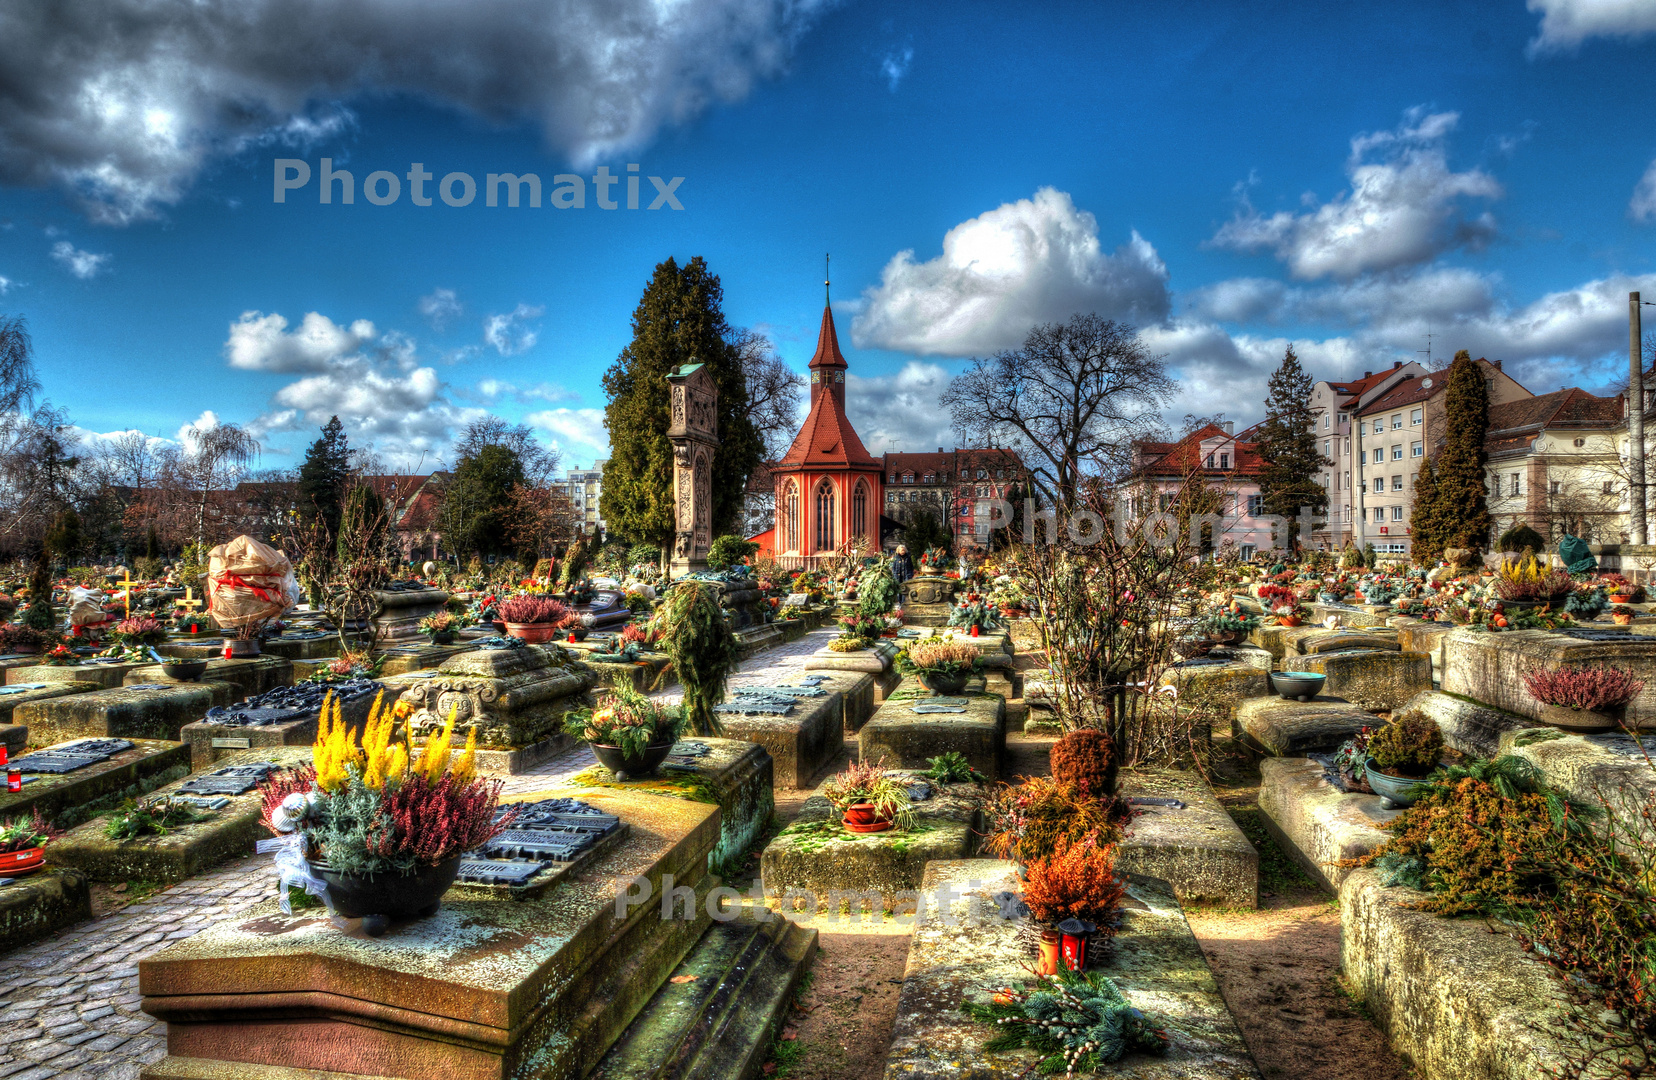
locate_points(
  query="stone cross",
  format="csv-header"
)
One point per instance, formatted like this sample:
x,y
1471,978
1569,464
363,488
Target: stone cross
x,y
694,433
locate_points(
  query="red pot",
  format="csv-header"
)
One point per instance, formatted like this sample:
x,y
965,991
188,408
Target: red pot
x,y
17,863
862,818
976,630
533,633
1288,620
1621,599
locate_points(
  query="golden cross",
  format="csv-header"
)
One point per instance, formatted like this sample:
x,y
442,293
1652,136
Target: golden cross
x,y
189,603
126,585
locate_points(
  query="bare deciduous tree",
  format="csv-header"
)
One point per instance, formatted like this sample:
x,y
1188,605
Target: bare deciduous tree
x,y
1071,401
218,456
774,391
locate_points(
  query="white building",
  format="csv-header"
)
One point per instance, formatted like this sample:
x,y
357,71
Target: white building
x,y
583,487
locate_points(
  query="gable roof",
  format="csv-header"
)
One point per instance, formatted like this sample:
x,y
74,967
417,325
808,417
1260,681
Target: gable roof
x,y
827,439
1513,425
1411,391
1178,458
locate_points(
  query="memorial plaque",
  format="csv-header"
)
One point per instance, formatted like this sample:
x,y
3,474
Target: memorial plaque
x,y
232,744
230,780
69,756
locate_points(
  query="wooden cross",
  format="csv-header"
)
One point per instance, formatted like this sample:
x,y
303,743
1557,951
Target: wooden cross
x,y
189,603
125,585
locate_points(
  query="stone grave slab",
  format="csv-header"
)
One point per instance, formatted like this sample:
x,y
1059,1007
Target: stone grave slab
x,y
482,990
1279,728
874,660
418,656
1196,848
1455,999
550,841
1468,726
1282,641
1351,615
735,775
1488,667
797,721
231,801
856,691
108,775
644,675
974,725
1217,683
1379,679
1328,641
515,699
104,675
144,711
1419,635
751,640
1316,823
1251,655
285,716
816,856
1584,766
300,645
15,694
38,905
1156,962
247,678
790,629
400,612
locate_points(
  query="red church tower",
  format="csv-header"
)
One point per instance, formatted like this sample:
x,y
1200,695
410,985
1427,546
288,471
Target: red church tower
x,y
829,488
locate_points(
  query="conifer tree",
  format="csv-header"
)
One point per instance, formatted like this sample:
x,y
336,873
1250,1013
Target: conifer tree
x,y
679,320
1288,447
324,477
1461,489
1426,525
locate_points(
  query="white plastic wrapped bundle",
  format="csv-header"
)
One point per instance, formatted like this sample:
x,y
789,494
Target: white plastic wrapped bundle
x,y
249,583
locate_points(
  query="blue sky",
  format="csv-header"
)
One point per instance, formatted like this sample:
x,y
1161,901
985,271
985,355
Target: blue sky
x,y
1229,178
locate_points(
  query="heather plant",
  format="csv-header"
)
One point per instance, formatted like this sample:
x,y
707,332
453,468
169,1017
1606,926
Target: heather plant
x,y
1408,746
1076,881
928,657
1595,689
1028,820
532,609
20,834
1526,579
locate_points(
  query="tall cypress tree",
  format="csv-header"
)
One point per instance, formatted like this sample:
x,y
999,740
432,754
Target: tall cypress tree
x,y
323,477
679,320
1426,524
1461,489
1288,447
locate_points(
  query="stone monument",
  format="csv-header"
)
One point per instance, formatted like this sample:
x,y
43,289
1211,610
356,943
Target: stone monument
x,y
694,433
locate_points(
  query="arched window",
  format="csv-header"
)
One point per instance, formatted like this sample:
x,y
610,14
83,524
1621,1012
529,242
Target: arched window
x,y
791,503
825,516
859,509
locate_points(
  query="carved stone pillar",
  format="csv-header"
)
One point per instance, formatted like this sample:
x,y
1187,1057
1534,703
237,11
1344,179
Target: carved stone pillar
x,y
694,433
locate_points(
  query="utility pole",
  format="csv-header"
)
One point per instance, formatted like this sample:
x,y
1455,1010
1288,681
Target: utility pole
x,y
1635,425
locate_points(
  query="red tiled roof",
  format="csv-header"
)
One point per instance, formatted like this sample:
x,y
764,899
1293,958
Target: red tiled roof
x,y
828,351
1409,392
1572,407
1178,458
827,439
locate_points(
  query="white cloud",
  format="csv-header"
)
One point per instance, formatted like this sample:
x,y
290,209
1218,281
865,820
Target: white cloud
x,y
123,102
6,285
260,342
1565,24
83,264
895,65
901,411
1001,273
1642,207
494,389
440,308
1402,210
578,433
508,333
186,436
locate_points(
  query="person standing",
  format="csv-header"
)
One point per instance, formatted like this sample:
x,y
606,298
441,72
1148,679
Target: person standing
x,y
902,567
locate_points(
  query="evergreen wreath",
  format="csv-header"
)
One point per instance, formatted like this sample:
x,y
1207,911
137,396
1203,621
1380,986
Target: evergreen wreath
x,y
702,648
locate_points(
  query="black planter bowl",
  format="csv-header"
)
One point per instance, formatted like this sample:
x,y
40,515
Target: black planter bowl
x,y
940,683
1298,685
184,670
631,768
389,896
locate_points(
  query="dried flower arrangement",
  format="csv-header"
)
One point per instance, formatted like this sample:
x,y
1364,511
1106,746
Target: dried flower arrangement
x,y
1595,689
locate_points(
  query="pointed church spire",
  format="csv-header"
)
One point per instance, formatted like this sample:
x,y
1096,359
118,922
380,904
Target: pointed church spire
x,y
826,278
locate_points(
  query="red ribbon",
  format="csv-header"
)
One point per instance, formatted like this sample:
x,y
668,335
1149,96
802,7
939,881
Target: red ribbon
x,y
235,581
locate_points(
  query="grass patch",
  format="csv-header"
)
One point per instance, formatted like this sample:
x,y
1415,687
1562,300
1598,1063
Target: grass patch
x,y
786,1056
1277,872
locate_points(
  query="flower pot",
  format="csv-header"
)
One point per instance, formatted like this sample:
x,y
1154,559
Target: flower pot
x,y
1051,952
945,683
393,896
184,670
18,863
628,768
862,818
1582,720
1288,620
533,633
1622,620
241,648
1400,790
1621,598
1297,685
578,634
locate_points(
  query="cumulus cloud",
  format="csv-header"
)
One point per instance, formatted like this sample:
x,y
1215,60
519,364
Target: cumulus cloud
x,y
901,411
1565,24
123,102
83,264
895,65
496,389
509,333
1403,209
440,308
578,433
1023,263
6,284
260,342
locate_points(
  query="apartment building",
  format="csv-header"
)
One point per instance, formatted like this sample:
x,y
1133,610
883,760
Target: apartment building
x,y
1556,461
1335,404
1224,460
949,483
583,487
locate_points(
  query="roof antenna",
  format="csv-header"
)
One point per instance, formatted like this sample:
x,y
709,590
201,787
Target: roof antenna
x,y
825,259
1428,349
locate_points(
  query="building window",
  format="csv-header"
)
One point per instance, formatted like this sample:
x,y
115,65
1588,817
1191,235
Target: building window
x,y
1397,513
1256,505
1417,417
1379,513
791,501
1397,452
1325,421
1379,427
825,516
1397,421
1224,461
1417,449
859,510
1515,481
1209,464
1579,443
1342,419
983,474
893,479
1379,483
1347,475
1327,448
908,478
1248,551
1397,483
1609,487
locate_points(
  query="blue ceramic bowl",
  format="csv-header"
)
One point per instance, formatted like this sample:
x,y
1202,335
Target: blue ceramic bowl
x,y
1401,790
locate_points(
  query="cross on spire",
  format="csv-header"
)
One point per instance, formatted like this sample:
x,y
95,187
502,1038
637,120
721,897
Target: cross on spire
x,y
825,277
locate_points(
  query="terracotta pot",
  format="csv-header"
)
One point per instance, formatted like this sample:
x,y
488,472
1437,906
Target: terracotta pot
x,y
1051,953
1581,720
1621,598
18,863
1622,620
1288,620
533,633
862,818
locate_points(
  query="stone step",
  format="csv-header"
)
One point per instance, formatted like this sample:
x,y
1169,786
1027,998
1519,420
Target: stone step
x,y
716,1024
121,712
1276,727
67,799
1379,679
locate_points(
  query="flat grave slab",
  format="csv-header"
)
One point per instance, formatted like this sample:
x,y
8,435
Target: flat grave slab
x,y
1419,635
1378,679
1217,683
974,725
302,646
231,801
874,660
40,904
1316,823
817,857
285,716
1351,615
856,691
1282,641
1277,727
1468,726
1488,667
482,989
143,711
797,721
1197,848
247,678
1156,962
416,656
67,797
14,694
105,675
735,775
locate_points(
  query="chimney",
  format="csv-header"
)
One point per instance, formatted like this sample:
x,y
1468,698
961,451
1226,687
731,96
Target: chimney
x,y
939,449
1366,374
1230,427
1498,364
1396,364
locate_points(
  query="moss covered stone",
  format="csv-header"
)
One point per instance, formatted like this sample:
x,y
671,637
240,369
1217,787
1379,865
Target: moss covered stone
x,y
41,904
800,743
1487,667
67,799
1379,679
1197,849
1315,823
124,712
905,739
